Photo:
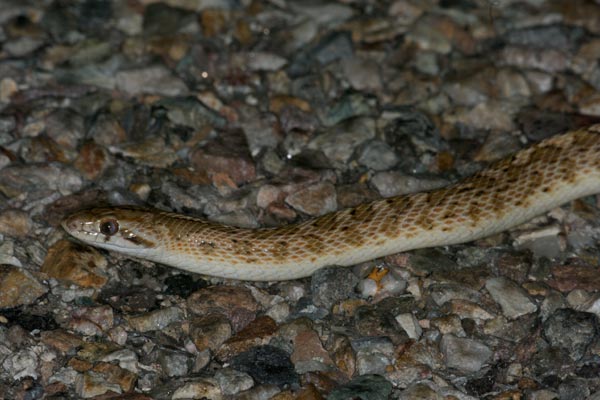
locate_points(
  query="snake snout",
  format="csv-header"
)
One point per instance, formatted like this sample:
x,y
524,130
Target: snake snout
x,y
70,224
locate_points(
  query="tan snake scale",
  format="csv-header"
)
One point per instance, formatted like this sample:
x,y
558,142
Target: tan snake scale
x,y
505,194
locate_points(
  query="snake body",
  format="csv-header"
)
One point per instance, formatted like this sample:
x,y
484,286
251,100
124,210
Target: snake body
x,y
507,193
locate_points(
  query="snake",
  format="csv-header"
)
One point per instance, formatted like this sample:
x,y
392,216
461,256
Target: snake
x,y
505,194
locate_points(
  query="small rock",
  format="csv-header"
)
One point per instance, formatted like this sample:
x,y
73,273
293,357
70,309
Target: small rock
x,y
262,392
174,362
150,80
256,333
549,60
363,74
63,341
409,323
162,19
198,389
448,324
365,387
236,303
465,355
378,156
92,160
545,242
156,320
210,331
266,364
226,155
393,183
35,180
314,200
74,263
262,61
574,276
66,127
309,354
349,106
373,355
92,320
18,287
590,106
467,309
262,133
232,382
115,374
332,284
92,384
8,87
189,111
340,142
22,364
489,115
571,330
420,391
510,296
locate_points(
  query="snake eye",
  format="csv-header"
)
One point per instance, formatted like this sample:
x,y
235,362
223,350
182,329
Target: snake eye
x,y
109,227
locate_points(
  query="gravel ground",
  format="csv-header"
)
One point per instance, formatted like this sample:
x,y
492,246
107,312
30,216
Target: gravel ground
x,y
262,113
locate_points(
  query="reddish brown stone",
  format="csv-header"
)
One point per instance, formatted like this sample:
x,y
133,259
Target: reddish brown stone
x,y
308,347
18,287
228,154
74,263
237,303
114,374
210,331
63,341
92,160
569,277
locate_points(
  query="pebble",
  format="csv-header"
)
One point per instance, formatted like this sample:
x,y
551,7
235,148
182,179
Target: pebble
x,y
35,181
150,80
510,296
314,200
198,389
155,320
22,364
18,287
210,331
338,144
362,73
332,284
266,364
392,183
173,363
378,156
231,161
571,330
309,354
256,333
465,355
236,303
409,323
73,263
365,387
232,382
373,356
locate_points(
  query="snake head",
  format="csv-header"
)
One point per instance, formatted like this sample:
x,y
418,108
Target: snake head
x,y
126,230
